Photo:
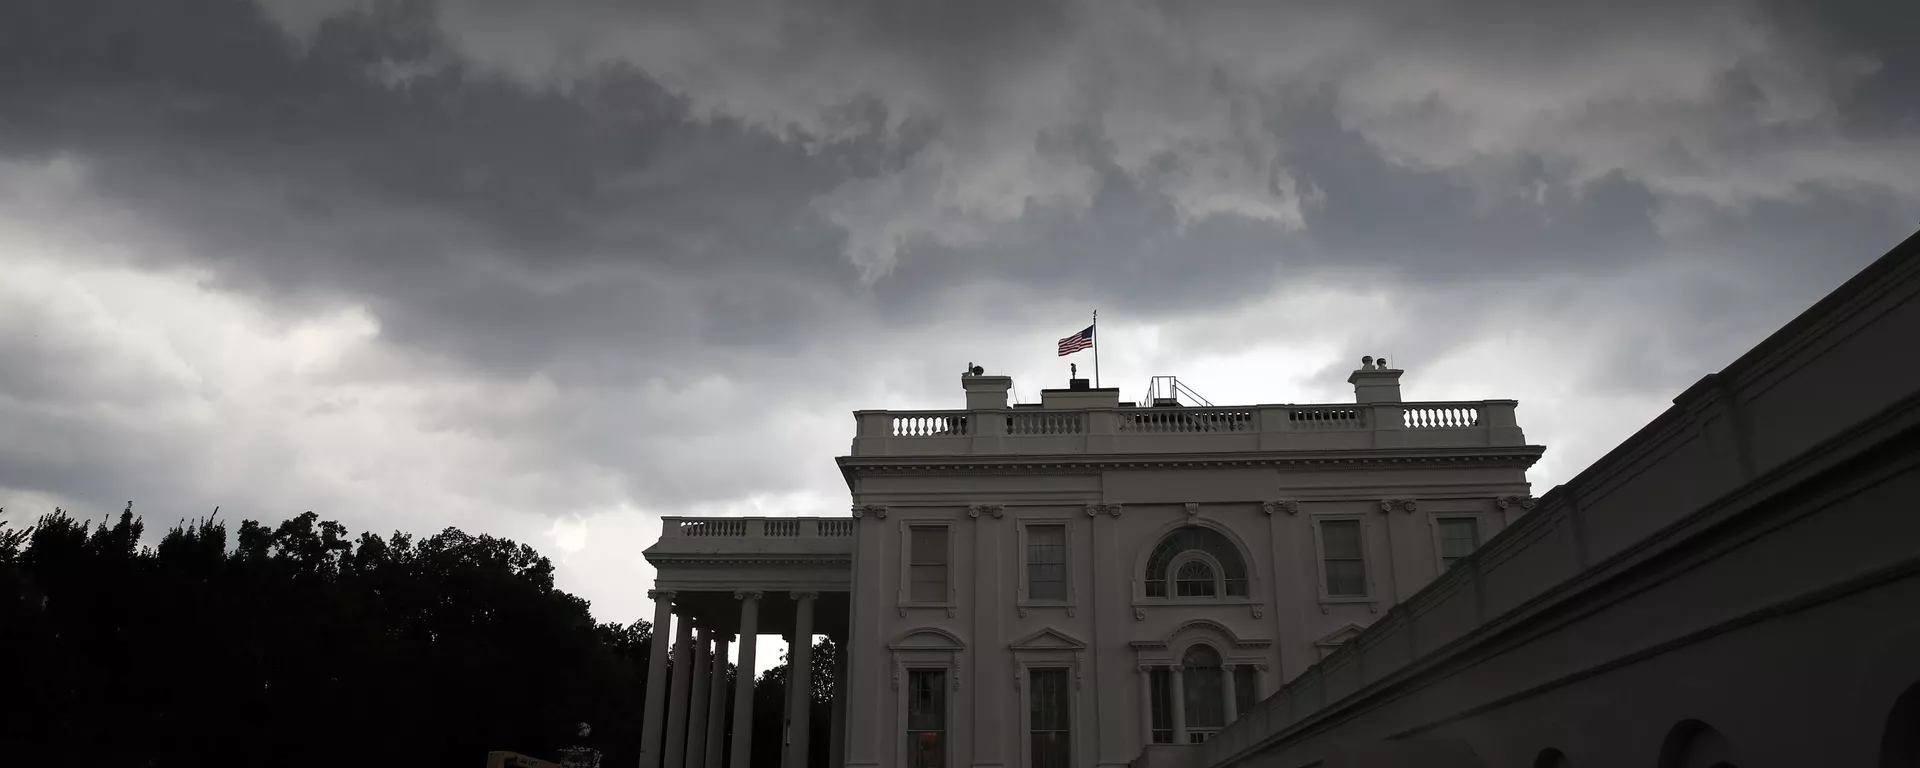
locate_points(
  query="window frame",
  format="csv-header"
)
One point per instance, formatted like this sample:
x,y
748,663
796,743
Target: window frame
x,y
1365,527
1023,598
1072,690
1213,566
949,703
1437,521
905,593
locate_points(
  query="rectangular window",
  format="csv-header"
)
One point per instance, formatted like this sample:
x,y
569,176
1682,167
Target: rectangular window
x,y
926,718
1459,536
1049,715
927,564
1341,555
1162,694
1047,562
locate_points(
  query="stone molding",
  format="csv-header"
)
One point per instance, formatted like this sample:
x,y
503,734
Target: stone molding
x,y
996,510
1525,502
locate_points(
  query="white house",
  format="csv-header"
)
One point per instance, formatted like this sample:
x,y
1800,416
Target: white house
x,y
1062,584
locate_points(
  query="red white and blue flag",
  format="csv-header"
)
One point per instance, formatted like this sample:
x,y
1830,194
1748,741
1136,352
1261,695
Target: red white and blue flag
x,y
1076,342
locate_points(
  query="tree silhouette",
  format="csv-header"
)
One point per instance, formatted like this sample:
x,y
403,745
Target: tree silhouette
x,y
298,645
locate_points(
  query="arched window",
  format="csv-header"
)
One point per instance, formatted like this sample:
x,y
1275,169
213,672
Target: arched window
x,y
1205,691
1194,579
1231,580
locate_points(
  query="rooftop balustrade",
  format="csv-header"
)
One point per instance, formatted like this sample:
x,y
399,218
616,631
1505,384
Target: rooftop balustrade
x,y
1125,429
755,536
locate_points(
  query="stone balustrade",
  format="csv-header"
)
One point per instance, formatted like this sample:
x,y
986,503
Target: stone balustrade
x,y
1135,430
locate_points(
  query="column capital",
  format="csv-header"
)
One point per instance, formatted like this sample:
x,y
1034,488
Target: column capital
x,y
803,595
1095,510
1289,506
877,510
1229,667
1388,505
660,594
748,594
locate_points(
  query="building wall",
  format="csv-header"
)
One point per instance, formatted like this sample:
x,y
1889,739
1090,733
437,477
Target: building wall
x,y
1107,629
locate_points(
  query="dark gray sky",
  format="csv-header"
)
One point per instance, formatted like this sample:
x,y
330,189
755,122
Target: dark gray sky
x,y
550,270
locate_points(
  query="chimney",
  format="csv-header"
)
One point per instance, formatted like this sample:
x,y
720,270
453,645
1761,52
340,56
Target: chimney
x,y
985,393
1375,382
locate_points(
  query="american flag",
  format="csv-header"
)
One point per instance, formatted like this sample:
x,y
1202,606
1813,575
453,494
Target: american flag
x,y
1076,342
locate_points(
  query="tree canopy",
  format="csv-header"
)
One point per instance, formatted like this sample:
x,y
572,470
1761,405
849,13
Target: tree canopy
x,y
300,644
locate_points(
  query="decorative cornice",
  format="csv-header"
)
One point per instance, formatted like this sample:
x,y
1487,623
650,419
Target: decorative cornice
x,y
1523,455
660,594
748,594
1289,506
996,510
877,510
1388,505
1094,510
1525,502
746,559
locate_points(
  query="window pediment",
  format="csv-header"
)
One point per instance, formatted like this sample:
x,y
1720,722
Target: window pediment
x,y
1048,639
928,639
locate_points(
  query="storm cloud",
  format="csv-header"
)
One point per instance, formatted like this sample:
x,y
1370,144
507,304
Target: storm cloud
x,y
551,270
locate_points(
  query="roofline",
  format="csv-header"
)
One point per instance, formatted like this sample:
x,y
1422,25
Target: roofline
x,y
1523,456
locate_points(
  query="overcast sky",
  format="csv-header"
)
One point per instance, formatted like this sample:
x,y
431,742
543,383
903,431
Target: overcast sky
x,y
549,270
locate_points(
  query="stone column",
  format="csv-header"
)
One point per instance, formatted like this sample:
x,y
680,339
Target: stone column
x,y
801,673
786,705
675,747
743,679
1146,706
654,719
717,705
697,709
1232,695
1179,686
837,743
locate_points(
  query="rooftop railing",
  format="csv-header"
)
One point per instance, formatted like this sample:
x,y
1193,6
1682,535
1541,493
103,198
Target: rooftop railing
x,y
757,527
1031,431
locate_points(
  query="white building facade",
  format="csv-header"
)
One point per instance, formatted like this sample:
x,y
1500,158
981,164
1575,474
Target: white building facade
x,y
1063,585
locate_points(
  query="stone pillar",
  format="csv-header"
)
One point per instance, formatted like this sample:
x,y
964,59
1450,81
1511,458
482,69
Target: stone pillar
x,y
654,718
837,743
1179,686
717,705
675,747
786,705
697,709
1232,695
743,679
1146,706
801,673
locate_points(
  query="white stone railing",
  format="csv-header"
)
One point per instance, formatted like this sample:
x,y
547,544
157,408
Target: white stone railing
x,y
757,527
1031,431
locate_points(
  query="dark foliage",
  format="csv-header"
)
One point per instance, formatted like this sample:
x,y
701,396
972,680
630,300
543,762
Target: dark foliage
x,y
297,645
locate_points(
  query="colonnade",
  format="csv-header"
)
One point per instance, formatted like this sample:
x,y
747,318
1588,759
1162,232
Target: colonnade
x,y
685,722
1177,698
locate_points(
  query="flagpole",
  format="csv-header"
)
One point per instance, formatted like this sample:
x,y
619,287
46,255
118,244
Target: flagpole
x,y
1096,349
